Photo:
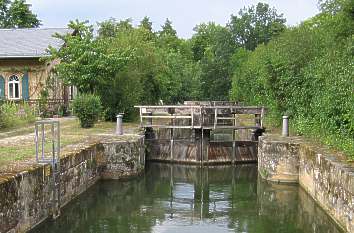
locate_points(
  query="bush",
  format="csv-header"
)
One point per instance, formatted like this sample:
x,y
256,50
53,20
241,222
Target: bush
x,y
87,108
15,114
307,73
43,104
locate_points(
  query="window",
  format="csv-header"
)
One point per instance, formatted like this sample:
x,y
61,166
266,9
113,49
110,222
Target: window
x,y
14,87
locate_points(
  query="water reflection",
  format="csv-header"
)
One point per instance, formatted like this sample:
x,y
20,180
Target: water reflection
x,y
171,198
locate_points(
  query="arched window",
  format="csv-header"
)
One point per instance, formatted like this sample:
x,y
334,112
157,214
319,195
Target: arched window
x,y
14,87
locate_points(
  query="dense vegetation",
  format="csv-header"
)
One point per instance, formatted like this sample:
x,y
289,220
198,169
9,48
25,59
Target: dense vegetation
x,y
17,14
15,115
127,65
304,71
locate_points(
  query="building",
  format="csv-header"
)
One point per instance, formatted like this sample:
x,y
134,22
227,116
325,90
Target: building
x,y
23,71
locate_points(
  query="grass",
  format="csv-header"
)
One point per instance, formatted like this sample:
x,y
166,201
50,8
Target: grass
x,y
335,143
20,146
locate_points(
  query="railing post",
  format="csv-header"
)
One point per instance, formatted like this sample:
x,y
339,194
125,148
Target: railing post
x,y
285,130
119,129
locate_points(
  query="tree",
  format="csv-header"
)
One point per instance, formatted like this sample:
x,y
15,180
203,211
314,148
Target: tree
x,y
17,14
4,19
179,77
307,73
167,37
167,29
146,25
334,6
111,27
120,67
256,25
212,47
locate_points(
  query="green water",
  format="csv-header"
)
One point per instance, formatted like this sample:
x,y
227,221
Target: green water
x,y
175,198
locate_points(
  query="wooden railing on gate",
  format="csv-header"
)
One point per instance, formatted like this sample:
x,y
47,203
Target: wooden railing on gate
x,y
199,117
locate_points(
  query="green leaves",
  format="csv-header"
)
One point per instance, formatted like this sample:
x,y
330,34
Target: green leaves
x,y
212,48
306,72
17,14
86,61
87,108
256,25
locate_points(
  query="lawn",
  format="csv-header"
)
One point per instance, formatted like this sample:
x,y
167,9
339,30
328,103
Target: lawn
x,y
18,145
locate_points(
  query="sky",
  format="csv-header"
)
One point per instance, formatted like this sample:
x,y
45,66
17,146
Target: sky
x,y
184,14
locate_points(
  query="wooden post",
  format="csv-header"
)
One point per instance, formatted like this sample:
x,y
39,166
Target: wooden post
x,y
262,116
171,142
257,120
215,118
192,118
141,117
202,149
233,144
206,143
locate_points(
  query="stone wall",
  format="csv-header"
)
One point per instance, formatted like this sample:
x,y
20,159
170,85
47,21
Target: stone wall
x,y
28,197
123,158
288,202
278,159
328,178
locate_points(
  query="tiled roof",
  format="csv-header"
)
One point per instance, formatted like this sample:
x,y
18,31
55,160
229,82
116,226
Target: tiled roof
x,y
29,42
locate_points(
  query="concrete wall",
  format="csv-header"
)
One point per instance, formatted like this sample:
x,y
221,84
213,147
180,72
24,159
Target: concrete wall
x,y
28,198
329,179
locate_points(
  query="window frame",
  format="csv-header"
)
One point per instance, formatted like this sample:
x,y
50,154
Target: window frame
x,y
13,83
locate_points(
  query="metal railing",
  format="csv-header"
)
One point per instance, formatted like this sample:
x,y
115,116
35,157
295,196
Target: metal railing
x,y
48,152
40,139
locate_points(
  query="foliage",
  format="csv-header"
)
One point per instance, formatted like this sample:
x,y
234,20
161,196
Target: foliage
x,y
307,73
179,78
304,71
15,114
127,65
256,25
212,48
87,108
167,37
17,14
43,103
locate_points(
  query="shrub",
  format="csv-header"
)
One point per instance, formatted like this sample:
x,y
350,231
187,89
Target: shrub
x,y
307,73
87,108
43,103
62,110
15,114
